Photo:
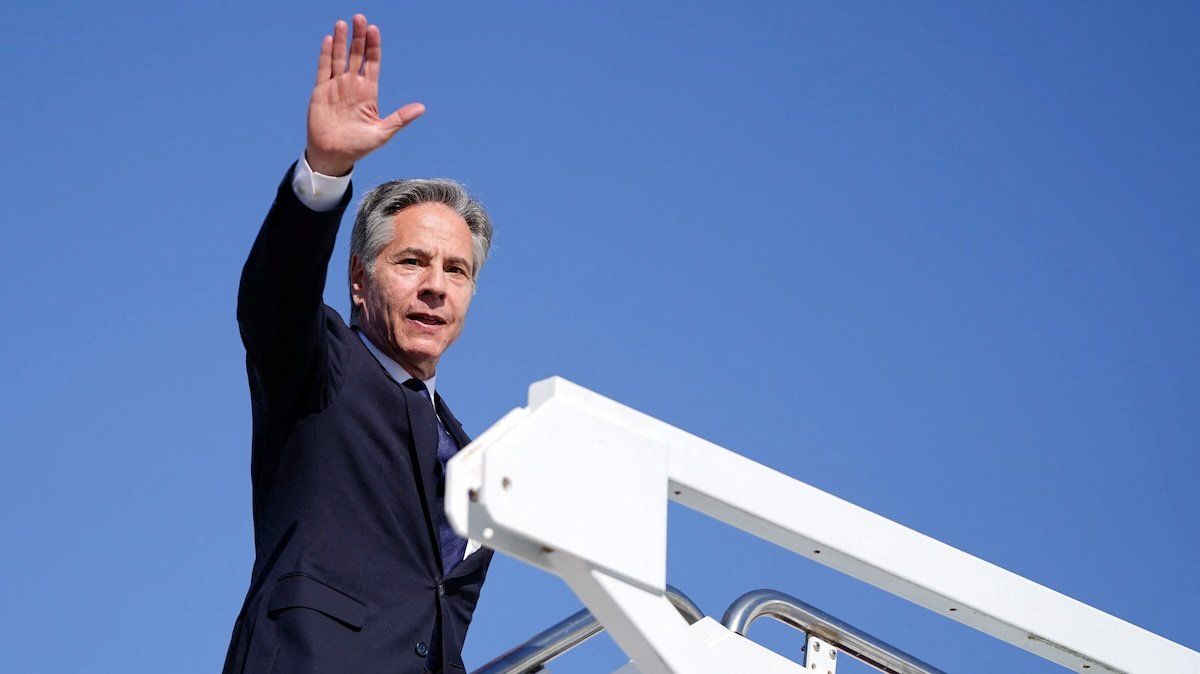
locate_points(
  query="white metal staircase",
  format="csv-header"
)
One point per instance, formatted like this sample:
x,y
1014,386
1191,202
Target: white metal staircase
x,y
578,485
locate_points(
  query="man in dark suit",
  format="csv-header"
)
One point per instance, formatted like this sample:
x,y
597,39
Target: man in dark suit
x,y
356,569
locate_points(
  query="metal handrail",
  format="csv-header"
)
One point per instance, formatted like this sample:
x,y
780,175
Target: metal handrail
x,y
812,620
548,644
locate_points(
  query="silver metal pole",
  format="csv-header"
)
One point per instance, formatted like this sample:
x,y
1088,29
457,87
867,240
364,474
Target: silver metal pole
x,y
812,620
548,644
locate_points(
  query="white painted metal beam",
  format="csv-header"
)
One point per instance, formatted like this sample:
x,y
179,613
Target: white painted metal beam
x,y
578,484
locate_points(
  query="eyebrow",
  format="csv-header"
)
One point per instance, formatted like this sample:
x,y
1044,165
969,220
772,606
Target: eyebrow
x,y
461,262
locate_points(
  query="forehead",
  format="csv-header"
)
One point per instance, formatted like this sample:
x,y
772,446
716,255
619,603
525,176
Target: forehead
x,y
433,226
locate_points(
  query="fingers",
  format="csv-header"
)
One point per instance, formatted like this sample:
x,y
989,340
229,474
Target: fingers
x,y
402,117
374,53
364,49
338,65
325,60
358,44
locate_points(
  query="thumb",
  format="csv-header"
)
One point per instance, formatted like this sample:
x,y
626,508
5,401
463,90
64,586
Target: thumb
x,y
401,118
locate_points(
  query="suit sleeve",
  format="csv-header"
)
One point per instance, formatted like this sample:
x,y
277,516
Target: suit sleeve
x,y
280,310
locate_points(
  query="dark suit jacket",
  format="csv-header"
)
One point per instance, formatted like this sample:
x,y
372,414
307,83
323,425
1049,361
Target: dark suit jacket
x,y
347,573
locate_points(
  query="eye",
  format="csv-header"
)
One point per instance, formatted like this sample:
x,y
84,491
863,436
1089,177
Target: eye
x,y
411,261
455,269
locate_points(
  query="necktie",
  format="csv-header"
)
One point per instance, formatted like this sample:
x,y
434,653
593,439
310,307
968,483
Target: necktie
x,y
451,544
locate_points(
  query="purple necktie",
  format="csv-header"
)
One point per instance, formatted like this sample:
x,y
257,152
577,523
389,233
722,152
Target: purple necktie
x,y
453,546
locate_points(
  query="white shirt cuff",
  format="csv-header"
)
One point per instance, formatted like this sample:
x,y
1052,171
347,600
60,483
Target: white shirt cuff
x,y
316,190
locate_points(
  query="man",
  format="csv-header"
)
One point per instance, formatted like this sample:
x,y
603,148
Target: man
x,y
356,569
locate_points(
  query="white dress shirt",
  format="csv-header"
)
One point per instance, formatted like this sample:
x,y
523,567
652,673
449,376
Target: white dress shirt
x,y
394,369
317,190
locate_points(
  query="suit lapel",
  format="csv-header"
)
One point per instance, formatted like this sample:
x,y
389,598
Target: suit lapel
x,y
423,425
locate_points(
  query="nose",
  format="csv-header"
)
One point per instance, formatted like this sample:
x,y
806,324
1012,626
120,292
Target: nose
x,y
433,282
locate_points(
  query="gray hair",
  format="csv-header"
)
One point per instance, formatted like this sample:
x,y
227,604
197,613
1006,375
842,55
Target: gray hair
x,y
374,225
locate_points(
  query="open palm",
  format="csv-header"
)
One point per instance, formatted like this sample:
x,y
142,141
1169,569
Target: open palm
x,y
343,114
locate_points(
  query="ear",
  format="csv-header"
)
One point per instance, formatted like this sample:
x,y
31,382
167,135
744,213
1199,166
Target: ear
x,y
358,281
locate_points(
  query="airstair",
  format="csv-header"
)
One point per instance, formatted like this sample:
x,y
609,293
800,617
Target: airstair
x,y
578,485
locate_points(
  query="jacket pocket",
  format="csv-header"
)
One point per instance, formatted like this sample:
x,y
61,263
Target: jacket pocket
x,y
295,590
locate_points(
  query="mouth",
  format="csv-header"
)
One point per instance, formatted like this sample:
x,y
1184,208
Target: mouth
x,y
425,319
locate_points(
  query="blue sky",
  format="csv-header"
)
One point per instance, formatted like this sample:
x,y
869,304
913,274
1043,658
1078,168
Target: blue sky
x,y
942,261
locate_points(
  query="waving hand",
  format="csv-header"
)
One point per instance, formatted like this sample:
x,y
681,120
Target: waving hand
x,y
343,114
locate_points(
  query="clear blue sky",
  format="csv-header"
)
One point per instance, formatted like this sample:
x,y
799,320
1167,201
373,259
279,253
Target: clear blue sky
x,y
940,260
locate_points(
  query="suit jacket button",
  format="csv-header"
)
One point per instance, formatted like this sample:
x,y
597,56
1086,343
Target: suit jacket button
x,y
441,590
422,649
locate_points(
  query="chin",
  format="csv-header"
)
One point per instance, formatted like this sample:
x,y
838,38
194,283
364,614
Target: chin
x,y
421,354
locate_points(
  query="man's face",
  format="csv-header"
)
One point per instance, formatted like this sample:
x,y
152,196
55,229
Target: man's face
x,y
414,305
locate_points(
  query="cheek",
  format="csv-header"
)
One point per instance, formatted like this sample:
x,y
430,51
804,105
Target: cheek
x,y
375,298
387,294
461,306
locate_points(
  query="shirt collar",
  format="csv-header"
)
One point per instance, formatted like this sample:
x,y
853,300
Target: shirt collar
x,y
394,370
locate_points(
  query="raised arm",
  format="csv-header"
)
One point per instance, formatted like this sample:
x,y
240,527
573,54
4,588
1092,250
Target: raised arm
x,y
281,314
343,114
